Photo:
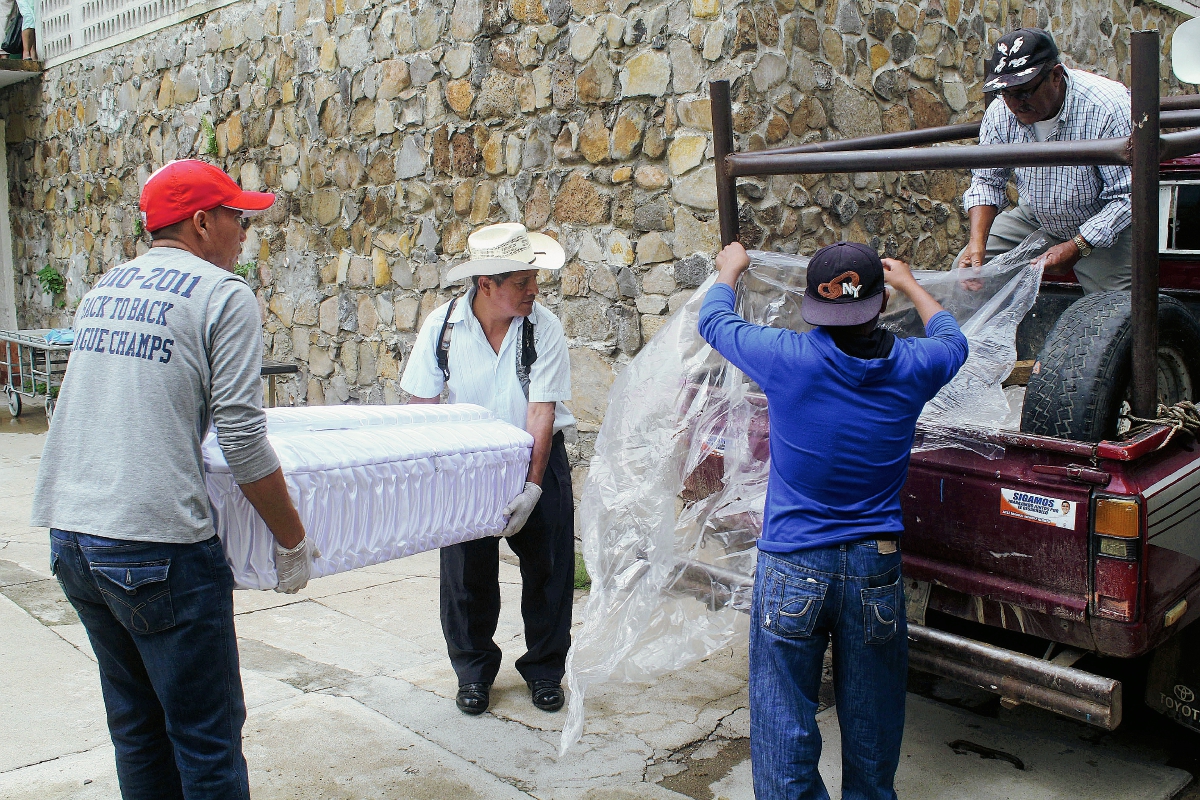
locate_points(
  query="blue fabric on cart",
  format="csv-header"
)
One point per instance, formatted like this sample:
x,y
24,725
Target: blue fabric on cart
x,y
60,336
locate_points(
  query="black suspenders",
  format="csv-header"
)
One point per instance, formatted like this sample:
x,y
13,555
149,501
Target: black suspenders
x,y
526,354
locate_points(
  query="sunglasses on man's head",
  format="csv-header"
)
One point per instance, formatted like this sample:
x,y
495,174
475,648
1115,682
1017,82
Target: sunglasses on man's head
x,y
1027,90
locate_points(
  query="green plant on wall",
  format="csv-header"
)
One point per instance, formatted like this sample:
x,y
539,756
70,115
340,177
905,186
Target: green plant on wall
x,y
244,270
51,280
138,228
208,137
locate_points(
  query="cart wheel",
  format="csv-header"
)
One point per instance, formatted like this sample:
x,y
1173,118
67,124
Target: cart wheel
x,y
50,402
14,403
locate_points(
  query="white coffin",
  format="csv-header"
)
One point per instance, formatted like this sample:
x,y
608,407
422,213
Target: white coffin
x,y
373,483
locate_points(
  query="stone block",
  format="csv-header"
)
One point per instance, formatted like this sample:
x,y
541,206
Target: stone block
x,y
769,72
594,139
319,362
326,206
649,176
651,325
404,313
698,189
927,110
659,280
596,81
648,73
652,248
381,270
585,319
581,202
366,317
393,79
695,236
626,325
328,316
591,379
620,249
853,113
696,114
687,69
459,96
603,282
686,153
627,133
690,272
573,280
584,39
651,304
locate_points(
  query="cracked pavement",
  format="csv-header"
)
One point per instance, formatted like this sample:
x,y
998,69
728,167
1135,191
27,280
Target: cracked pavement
x,y
350,695
349,692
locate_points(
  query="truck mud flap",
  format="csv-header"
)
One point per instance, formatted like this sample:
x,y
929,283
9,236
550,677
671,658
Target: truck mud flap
x,y
1173,680
1016,677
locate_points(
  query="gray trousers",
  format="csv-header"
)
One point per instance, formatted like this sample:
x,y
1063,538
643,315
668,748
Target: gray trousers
x,y
1106,269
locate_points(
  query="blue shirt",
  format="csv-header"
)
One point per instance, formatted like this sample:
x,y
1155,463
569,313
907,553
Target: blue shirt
x,y
841,427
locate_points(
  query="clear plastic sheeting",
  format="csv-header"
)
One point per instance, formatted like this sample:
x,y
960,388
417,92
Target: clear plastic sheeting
x,y
673,503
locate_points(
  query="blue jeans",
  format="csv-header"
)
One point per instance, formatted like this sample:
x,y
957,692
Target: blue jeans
x,y
853,595
160,620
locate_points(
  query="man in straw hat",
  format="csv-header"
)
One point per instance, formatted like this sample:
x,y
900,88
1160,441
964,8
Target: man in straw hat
x,y
498,348
166,346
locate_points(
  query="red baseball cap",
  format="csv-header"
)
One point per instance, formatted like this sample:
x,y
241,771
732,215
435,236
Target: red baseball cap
x,y
179,189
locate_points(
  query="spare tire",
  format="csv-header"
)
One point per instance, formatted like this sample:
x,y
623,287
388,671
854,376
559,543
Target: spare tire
x,y
1083,371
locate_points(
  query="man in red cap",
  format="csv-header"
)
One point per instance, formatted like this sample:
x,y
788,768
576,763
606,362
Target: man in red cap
x,y
166,346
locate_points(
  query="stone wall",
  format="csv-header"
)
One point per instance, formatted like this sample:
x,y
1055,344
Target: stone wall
x,y
390,131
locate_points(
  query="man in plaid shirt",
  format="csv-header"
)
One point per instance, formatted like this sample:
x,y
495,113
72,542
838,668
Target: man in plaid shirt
x,y
1084,211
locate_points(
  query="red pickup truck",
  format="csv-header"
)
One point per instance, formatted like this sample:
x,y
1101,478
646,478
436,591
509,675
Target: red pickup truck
x,y
986,541
1035,574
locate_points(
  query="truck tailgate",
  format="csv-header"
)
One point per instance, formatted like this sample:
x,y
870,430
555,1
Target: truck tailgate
x,y
998,529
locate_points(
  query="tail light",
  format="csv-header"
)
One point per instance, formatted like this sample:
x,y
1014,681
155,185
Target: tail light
x,y
1116,551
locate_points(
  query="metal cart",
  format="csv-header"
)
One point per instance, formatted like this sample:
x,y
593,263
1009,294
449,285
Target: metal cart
x,y
31,367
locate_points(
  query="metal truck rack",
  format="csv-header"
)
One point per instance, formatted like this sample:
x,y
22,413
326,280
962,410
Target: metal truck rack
x,y
1052,685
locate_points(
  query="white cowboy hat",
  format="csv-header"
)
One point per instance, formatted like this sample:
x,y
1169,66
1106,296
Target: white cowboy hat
x,y
507,247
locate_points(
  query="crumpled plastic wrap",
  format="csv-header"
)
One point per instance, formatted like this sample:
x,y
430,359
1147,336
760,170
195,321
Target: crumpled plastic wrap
x,y
673,502
373,483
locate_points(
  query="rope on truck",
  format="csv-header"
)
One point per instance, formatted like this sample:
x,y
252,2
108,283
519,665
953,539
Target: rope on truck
x,y
1183,416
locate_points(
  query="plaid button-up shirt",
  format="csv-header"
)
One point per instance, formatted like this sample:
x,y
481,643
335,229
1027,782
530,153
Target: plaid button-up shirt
x,y
1092,201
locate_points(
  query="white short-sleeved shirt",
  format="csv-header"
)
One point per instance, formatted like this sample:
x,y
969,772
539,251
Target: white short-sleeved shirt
x,y
480,375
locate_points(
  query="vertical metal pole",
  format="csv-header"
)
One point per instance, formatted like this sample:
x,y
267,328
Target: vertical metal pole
x,y
722,121
1144,96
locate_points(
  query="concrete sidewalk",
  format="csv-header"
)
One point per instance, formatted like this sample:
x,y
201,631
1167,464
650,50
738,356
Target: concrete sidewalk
x,y
350,695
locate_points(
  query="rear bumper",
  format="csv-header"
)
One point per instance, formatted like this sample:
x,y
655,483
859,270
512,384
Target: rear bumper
x,y
1014,676
1017,677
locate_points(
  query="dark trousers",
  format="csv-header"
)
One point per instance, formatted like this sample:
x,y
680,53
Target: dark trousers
x,y
471,587
160,620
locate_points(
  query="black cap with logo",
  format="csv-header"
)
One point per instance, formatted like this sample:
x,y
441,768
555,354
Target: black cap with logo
x,y
845,285
1018,58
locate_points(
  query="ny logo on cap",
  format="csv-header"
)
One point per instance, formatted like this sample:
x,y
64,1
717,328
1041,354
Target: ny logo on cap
x,y
845,284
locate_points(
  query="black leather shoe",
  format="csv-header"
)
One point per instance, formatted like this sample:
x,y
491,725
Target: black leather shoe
x,y
473,698
547,694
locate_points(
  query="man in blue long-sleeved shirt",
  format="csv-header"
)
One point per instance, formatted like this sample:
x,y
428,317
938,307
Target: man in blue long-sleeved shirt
x,y
844,400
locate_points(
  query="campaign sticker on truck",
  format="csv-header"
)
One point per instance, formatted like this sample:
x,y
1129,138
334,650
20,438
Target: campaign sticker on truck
x,y
1038,508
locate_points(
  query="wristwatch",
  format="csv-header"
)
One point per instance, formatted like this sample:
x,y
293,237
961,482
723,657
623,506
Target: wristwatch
x,y
1085,249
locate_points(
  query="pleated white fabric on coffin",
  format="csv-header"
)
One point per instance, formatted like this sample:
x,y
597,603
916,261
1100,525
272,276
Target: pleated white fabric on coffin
x,y
373,483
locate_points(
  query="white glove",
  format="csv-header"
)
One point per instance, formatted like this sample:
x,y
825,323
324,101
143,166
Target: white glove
x,y
520,508
294,567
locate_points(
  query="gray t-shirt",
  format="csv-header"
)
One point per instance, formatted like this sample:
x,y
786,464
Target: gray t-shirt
x,y
166,346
